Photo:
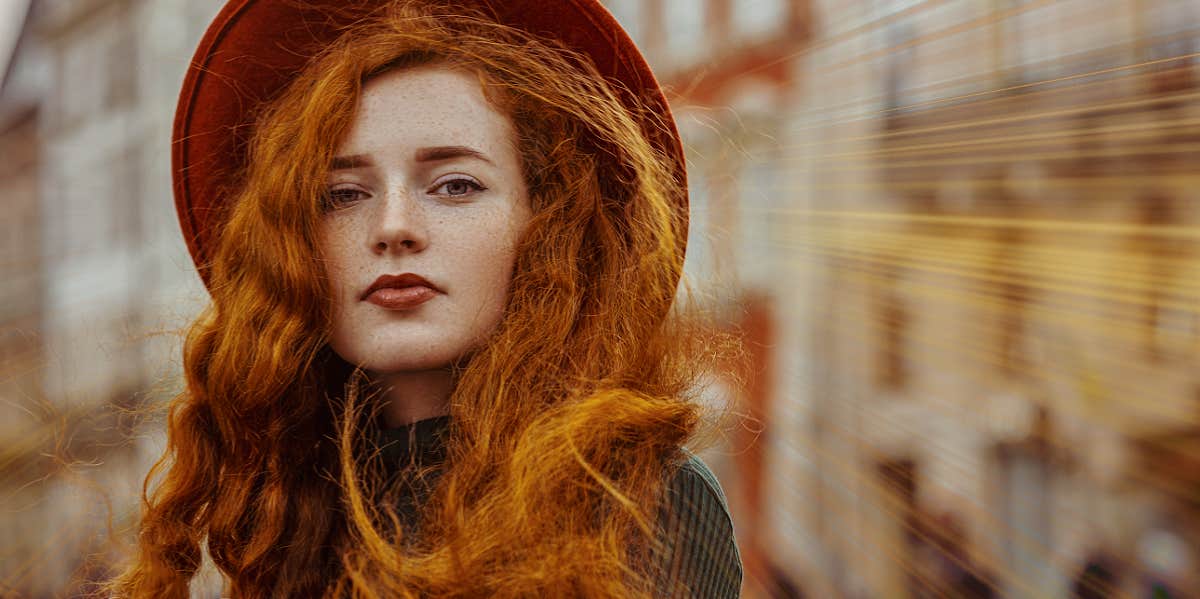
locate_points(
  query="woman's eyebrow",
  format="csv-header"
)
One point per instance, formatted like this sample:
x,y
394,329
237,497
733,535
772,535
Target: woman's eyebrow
x,y
432,154
439,153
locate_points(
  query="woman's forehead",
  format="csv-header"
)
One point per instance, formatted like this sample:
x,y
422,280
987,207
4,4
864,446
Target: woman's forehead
x,y
427,106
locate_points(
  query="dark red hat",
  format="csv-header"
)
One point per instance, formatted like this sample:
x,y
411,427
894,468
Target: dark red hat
x,y
254,48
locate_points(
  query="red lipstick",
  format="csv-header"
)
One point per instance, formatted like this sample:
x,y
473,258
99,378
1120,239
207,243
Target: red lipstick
x,y
400,292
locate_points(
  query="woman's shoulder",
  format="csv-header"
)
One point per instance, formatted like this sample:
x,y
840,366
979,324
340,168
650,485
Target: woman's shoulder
x,y
693,472
701,548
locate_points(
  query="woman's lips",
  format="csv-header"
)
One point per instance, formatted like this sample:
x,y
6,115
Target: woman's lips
x,y
401,298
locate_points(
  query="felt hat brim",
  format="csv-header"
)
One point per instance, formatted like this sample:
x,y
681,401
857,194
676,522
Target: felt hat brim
x,y
253,49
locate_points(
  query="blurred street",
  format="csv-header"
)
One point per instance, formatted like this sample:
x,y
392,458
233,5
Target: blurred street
x,y
961,239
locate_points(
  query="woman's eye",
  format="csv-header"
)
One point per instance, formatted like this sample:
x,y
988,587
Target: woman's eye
x,y
335,198
458,187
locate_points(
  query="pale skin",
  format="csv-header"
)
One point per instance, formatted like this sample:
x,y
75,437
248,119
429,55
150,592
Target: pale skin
x,y
428,181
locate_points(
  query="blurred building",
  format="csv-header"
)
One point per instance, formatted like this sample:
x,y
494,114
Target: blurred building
x,y
960,239
95,278
21,303
999,201
25,434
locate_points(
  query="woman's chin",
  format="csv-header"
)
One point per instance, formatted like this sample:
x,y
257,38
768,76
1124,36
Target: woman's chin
x,y
400,367
424,362
385,355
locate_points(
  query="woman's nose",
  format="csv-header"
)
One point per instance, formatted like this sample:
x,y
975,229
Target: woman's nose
x,y
400,224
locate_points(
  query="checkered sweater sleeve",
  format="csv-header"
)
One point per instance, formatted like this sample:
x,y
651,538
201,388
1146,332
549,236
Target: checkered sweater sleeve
x,y
701,554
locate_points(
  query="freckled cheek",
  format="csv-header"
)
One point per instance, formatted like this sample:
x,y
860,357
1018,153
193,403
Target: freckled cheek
x,y
484,263
338,267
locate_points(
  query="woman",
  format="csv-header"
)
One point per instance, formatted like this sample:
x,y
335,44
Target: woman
x,y
442,241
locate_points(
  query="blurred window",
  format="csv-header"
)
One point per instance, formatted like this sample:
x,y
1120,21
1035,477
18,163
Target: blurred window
x,y
1025,501
893,318
757,192
1088,30
82,76
629,15
926,50
882,9
86,224
684,22
901,64
121,89
126,216
1172,29
888,7
1032,34
757,17
698,264
99,70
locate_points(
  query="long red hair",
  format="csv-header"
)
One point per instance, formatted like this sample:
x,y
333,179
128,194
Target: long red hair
x,y
565,424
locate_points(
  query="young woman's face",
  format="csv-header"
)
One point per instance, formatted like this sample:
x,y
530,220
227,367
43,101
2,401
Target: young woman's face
x,y
427,189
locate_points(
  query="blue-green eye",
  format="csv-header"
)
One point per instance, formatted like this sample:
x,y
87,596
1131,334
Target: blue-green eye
x,y
458,187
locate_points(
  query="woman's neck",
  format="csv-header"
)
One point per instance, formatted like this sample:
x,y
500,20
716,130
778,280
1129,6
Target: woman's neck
x,y
414,395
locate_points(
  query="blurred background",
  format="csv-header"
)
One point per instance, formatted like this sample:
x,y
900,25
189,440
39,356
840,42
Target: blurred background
x,y
959,236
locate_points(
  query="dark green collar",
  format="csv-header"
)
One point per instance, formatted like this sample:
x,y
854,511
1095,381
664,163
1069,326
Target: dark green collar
x,y
422,442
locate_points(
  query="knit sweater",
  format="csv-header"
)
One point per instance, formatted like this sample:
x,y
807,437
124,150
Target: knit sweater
x,y
701,550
